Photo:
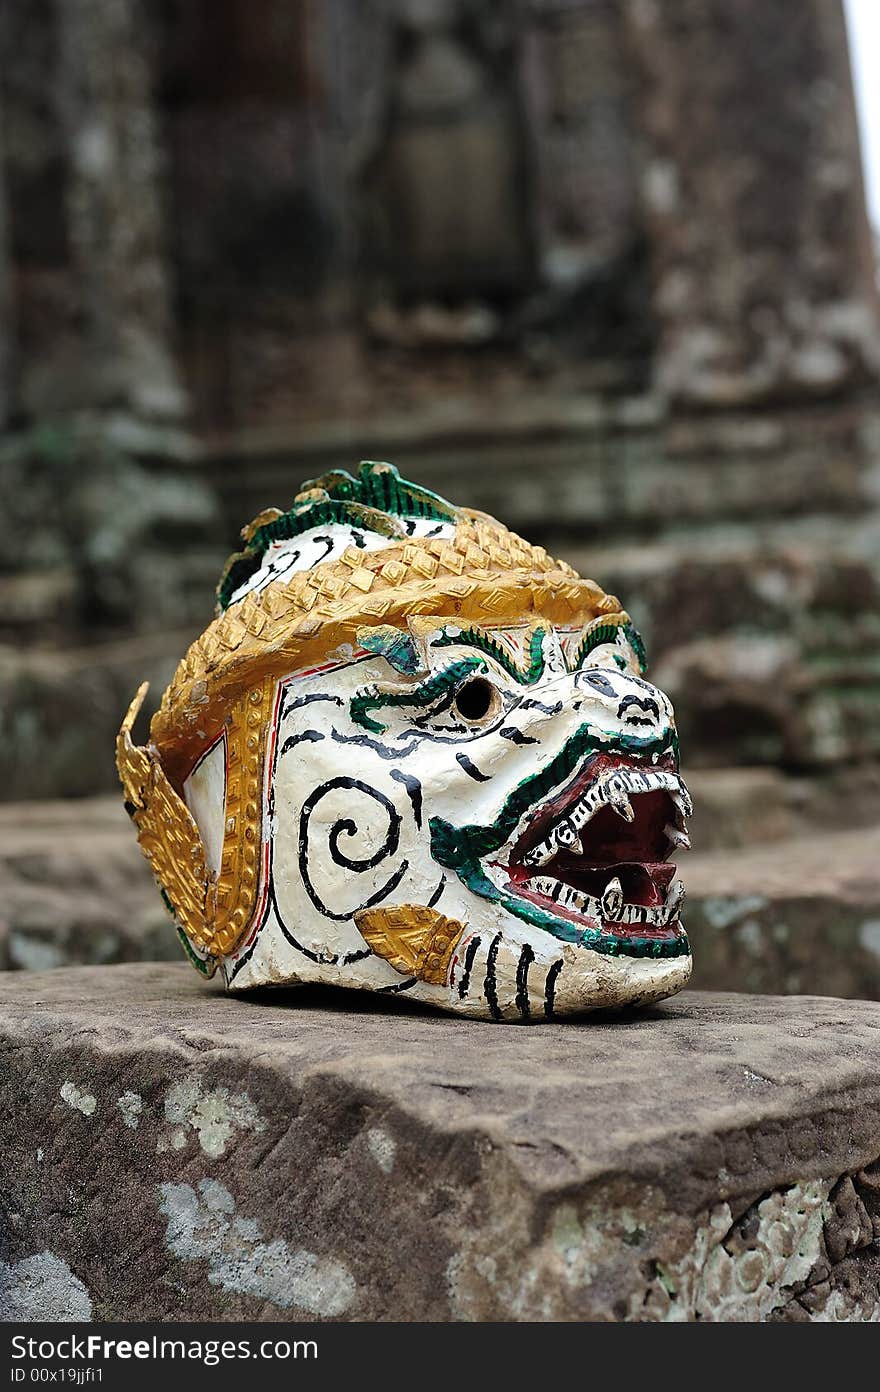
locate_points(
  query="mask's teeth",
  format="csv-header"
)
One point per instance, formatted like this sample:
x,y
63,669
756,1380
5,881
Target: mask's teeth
x,y
565,835
674,898
560,892
677,836
539,855
623,807
611,907
682,799
612,900
580,815
574,898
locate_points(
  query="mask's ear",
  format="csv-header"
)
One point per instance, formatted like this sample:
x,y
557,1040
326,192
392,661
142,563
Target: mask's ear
x,y
168,835
396,645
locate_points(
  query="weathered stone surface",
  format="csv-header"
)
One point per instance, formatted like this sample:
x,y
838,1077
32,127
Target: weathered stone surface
x,y
262,241
75,888
737,158
172,1153
60,711
635,191
794,915
108,575
580,90
765,635
87,226
7,335
449,113
579,468
111,510
45,332
113,207
737,807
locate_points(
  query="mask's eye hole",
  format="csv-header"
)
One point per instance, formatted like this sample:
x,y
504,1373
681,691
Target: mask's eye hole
x,y
476,701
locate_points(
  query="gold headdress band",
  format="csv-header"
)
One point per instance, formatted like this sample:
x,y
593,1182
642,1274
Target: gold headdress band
x,y
227,680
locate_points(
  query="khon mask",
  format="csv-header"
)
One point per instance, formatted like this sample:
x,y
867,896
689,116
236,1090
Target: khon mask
x,y
414,754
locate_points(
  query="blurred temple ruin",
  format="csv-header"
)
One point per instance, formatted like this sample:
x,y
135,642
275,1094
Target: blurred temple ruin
x,y
601,267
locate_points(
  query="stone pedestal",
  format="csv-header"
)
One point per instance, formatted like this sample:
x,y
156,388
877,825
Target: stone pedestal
x,y
174,1154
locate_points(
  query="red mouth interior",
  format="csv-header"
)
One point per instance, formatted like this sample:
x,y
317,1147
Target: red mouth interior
x,y
635,852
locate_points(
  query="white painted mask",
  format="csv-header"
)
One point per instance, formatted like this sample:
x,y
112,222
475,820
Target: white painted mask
x,y
416,755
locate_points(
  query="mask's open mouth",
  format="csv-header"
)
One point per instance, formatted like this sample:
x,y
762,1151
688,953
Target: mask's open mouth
x,y
597,853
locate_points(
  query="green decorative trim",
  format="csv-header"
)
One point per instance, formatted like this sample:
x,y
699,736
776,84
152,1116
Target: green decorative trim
x,y
376,500
607,633
479,638
207,966
462,849
379,485
394,644
421,695
638,646
320,513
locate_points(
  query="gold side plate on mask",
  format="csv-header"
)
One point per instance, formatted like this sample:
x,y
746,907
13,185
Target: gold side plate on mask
x,y
416,940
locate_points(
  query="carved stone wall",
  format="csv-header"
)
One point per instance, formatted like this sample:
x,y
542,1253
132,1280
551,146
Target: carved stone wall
x,y
89,273
763,264
298,209
599,266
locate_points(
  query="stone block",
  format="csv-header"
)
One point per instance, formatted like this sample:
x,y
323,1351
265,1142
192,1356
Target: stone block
x,y
75,888
754,199
576,467
60,711
173,1154
737,807
796,915
765,637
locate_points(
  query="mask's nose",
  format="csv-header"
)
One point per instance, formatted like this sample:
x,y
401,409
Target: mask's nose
x,y
637,704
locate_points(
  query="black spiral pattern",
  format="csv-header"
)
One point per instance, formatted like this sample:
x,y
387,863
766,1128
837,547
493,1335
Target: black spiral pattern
x,y
347,827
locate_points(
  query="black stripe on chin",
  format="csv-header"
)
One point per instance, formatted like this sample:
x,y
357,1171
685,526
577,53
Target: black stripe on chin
x,y
526,957
468,967
490,985
550,988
